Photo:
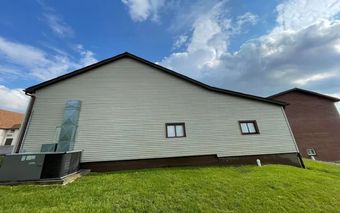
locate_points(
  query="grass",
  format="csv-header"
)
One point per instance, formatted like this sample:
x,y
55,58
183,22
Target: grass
x,y
272,188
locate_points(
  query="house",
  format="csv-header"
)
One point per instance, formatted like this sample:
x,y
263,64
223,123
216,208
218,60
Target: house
x,y
315,123
126,112
9,130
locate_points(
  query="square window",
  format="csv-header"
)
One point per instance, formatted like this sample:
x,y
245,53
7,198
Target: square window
x,y
175,130
249,127
8,141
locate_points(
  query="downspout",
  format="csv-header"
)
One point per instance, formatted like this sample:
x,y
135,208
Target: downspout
x,y
24,125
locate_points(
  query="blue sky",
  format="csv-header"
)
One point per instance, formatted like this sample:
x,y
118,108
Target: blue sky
x,y
259,47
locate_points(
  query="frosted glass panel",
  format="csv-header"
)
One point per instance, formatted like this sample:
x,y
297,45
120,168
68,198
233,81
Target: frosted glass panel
x,y
171,131
251,128
57,134
68,127
244,128
179,131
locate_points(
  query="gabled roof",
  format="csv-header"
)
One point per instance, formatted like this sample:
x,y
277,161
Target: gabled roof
x,y
10,120
308,92
32,89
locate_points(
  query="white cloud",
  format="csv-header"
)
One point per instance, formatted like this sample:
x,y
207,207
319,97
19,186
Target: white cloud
x,y
210,35
54,21
87,56
247,18
20,53
302,49
8,73
279,61
13,99
181,40
207,42
141,10
297,14
29,60
316,77
58,26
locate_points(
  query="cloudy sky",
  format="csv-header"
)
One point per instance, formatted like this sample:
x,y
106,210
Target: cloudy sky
x,y
259,47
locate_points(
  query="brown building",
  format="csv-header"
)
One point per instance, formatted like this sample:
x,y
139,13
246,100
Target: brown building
x,y
314,121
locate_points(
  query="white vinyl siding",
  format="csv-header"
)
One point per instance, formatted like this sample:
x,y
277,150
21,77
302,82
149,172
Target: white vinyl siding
x,y
125,105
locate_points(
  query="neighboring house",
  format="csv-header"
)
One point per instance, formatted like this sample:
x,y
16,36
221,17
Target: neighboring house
x,y
9,130
315,123
127,112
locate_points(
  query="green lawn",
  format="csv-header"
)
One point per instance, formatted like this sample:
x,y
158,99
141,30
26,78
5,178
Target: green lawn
x,y
273,188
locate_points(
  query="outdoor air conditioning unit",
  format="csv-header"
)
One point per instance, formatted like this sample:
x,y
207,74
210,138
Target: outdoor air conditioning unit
x,y
49,147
